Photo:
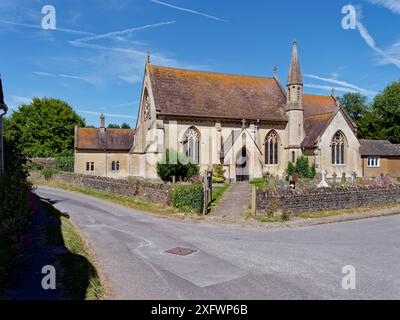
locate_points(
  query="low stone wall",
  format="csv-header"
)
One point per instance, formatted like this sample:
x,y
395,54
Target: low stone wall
x,y
311,200
154,192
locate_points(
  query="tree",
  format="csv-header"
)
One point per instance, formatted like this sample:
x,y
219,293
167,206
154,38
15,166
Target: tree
x,y
355,104
125,126
386,113
113,126
44,128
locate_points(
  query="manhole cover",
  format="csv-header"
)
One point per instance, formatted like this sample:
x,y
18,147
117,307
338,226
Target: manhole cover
x,y
181,251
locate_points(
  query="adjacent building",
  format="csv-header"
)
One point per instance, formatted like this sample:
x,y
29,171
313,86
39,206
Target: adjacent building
x,y
103,151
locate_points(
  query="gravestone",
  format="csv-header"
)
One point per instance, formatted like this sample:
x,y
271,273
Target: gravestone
x,y
354,178
323,183
344,178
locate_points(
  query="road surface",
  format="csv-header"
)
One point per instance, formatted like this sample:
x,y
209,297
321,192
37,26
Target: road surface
x,y
235,262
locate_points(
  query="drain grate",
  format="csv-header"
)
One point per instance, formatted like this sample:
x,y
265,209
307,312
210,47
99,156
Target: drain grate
x,y
180,251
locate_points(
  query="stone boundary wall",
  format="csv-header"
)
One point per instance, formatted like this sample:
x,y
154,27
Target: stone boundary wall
x,y
311,200
150,191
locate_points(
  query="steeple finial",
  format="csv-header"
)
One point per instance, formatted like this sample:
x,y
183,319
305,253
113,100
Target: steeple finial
x,y
275,71
295,77
148,57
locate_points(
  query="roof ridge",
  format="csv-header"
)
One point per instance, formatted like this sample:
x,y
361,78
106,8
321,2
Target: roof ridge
x,y
214,72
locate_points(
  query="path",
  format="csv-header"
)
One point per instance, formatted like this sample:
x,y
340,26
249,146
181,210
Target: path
x,y
235,201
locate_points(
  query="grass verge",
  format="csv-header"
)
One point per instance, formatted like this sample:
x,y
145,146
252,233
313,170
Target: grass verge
x,y
332,213
79,276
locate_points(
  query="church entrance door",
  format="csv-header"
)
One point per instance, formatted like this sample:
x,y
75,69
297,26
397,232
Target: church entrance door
x,y
242,166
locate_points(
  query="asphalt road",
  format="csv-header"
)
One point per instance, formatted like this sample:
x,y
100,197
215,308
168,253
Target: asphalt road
x,y
235,262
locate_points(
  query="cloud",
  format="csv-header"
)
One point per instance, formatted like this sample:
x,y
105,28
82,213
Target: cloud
x,y
111,115
188,10
90,80
392,5
117,34
386,57
343,84
22,100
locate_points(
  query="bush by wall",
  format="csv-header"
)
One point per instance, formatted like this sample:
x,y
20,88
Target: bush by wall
x,y
302,168
176,165
189,198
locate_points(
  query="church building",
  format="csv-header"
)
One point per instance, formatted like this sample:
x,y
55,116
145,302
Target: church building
x,y
253,126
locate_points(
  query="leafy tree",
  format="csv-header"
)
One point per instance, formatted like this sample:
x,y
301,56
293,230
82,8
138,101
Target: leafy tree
x,y
386,113
125,126
355,104
113,126
176,165
44,128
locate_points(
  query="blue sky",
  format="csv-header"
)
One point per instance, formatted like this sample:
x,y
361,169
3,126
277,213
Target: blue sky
x,y
95,59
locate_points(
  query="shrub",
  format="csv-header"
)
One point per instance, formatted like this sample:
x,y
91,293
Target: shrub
x,y
48,173
15,201
188,198
64,163
302,168
218,173
176,165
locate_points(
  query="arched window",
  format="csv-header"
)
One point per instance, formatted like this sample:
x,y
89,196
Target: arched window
x,y
191,145
272,148
115,166
293,157
338,148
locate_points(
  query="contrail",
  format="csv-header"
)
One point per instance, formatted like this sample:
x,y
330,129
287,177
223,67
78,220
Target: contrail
x,y
123,32
189,10
341,83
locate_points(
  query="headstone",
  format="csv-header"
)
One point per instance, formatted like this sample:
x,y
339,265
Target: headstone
x,y
354,178
334,179
388,180
381,181
344,178
323,183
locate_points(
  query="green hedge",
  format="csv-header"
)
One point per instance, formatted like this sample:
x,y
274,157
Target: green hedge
x,y
14,219
189,198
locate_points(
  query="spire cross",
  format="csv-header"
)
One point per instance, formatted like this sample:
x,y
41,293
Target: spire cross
x,y
243,123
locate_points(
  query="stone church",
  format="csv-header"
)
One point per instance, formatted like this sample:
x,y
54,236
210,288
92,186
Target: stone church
x,y
252,125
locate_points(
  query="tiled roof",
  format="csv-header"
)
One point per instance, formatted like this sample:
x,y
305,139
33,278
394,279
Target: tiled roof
x,y
201,94
204,94
318,111
104,139
379,148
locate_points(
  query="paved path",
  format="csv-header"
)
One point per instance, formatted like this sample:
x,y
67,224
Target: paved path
x,y
233,262
235,201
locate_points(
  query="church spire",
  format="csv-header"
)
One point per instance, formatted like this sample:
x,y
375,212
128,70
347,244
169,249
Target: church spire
x,y
295,77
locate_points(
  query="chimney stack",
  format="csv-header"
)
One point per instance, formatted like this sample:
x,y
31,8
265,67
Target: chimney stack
x,y
102,121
